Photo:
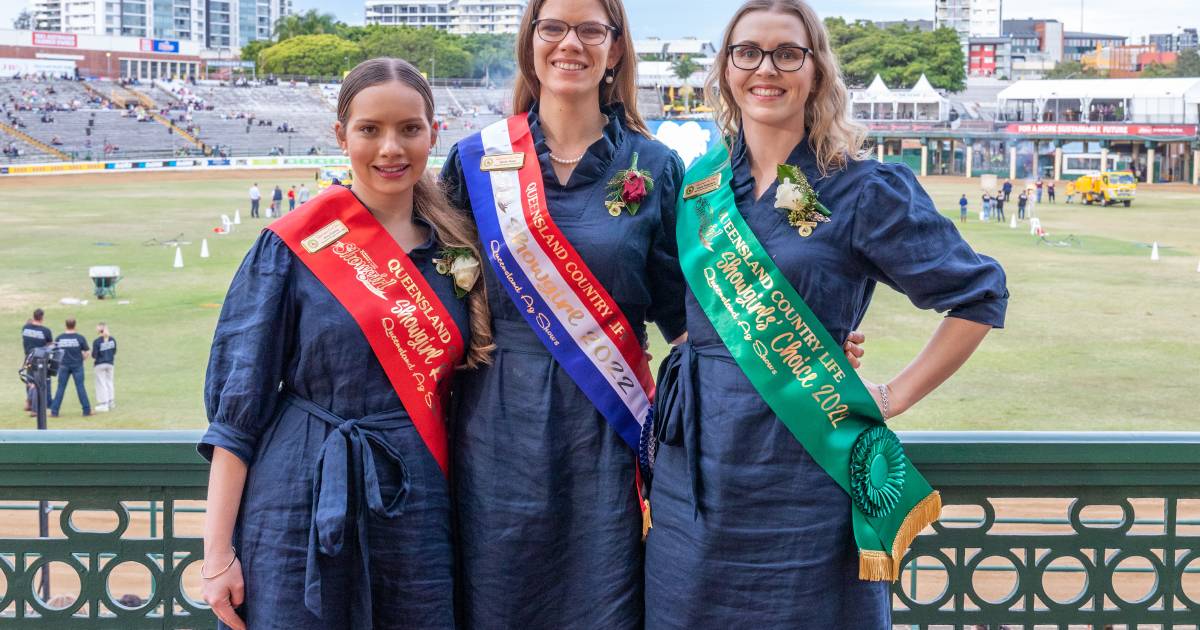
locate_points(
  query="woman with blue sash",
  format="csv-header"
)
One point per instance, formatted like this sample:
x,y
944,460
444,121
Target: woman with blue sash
x,y
328,502
545,477
781,499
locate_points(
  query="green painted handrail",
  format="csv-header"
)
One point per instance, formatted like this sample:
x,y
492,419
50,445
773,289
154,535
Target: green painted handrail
x,y
149,471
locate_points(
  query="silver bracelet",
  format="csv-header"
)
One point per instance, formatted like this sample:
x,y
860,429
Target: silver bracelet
x,y
883,401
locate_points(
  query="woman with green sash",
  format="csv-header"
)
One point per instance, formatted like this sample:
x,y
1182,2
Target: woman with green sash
x,y
780,497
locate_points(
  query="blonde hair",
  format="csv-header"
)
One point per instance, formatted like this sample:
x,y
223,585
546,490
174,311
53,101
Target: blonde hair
x,y
834,138
454,229
622,90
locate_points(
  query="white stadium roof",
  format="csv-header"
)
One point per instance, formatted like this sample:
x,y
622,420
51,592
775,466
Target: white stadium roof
x,y
1188,88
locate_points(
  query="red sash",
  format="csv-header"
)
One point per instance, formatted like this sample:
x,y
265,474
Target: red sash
x,y
411,332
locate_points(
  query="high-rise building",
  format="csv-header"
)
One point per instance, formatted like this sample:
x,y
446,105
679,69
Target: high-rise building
x,y
970,18
214,23
1186,39
461,17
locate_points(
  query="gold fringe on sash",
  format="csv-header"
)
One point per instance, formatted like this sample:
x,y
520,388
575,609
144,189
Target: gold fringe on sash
x,y
877,566
646,522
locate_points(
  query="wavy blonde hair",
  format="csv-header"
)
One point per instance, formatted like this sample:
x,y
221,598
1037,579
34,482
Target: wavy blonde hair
x,y
835,139
622,90
454,228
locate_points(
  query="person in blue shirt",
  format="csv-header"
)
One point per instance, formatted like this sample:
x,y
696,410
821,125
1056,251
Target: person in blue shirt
x,y
749,530
104,351
962,209
75,349
338,510
34,334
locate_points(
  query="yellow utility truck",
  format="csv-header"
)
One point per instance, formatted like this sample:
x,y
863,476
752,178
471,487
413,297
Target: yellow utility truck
x,y
1107,188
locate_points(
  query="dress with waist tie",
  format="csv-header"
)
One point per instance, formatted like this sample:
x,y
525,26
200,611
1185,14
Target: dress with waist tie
x,y
345,516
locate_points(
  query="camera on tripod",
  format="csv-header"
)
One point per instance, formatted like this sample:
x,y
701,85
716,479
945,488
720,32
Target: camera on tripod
x,y
47,358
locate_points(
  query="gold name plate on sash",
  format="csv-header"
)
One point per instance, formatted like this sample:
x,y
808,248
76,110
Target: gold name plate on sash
x,y
702,187
323,237
502,162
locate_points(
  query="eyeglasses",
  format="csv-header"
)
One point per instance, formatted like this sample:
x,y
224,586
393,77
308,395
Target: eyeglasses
x,y
784,58
590,33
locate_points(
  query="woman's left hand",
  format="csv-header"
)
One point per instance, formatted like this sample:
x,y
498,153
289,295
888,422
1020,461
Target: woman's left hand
x,y
853,348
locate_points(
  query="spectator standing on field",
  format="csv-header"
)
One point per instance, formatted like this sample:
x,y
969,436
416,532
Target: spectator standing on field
x,y
277,201
104,349
962,209
34,334
291,198
1038,186
1021,201
303,194
999,209
255,196
75,350
1050,191
1006,189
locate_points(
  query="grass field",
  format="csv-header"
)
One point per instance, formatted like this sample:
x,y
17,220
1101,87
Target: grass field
x,y
1098,336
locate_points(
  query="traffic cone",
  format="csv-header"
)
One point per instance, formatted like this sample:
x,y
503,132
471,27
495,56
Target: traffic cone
x,y
237,217
1013,223
204,248
178,258
1154,251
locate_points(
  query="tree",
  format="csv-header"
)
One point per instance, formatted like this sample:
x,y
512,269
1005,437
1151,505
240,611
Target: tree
x,y
1073,70
1157,70
310,55
899,54
684,68
434,52
251,49
491,55
311,22
23,21
1188,63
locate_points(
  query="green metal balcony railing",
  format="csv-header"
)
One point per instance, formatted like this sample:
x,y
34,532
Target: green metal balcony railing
x,y
1046,529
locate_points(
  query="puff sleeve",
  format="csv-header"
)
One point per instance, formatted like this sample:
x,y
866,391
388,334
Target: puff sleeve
x,y
250,351
901,240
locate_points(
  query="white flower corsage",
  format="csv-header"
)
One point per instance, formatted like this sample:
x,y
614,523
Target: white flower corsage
x,y
797,197
459,263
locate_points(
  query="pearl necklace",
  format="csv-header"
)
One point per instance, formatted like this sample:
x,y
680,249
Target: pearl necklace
x,y
556,159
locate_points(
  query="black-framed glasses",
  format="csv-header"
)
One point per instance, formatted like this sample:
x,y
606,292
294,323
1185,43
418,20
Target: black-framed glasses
x,y
590,33
784,58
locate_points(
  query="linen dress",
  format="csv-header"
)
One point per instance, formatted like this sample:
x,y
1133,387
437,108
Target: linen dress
x,y
549,527
749,532
295,391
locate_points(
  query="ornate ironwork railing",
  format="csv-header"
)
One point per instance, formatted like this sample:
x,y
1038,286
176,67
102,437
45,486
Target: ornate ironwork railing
x,y
105,478
1047,529
1052,529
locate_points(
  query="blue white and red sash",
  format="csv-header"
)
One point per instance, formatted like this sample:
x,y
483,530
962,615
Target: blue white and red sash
x,y
571,313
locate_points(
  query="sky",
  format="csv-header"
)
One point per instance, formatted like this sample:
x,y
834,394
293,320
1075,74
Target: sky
x,y
706,18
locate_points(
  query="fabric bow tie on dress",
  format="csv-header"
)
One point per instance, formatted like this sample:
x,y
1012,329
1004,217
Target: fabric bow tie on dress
x,y
349,453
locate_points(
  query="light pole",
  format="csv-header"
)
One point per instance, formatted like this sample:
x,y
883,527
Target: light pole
x,y
432,70
108,61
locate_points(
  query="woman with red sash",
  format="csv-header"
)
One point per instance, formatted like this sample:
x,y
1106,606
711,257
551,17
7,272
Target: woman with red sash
x,y
751,529
328,499
547,505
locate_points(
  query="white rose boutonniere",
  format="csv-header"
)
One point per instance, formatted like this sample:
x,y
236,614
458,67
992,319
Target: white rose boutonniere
x,y
461,265
797,197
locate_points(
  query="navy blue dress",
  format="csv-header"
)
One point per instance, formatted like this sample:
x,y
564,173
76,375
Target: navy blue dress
x,y
295,391
749,532
549,529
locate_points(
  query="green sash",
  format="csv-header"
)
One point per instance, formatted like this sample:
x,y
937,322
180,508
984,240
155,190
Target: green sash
x,y
799,370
